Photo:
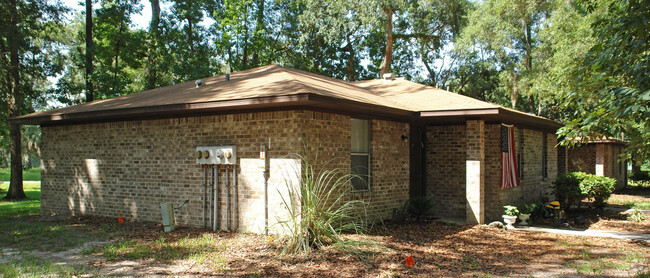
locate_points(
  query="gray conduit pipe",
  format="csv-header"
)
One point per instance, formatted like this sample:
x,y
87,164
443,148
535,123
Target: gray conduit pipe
x,y
227,199
215,198
235,211
205,193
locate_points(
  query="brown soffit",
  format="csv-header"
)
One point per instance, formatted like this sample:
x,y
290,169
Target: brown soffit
x,y
492,115
298,101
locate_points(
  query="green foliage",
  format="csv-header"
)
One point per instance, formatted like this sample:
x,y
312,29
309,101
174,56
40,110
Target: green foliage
x,y
571,187
527,208
566,188
511,210
597,188
640,176
318,210
636,216
611,96
32,174
417,208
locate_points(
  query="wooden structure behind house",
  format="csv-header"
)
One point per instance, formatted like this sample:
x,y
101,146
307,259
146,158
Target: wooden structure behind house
x,y
126,155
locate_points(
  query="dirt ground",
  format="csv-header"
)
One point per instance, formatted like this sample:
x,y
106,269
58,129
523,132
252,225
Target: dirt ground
x,y
438,249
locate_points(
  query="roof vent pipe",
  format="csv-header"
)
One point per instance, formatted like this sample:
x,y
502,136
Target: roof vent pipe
x,y
199,83
388,76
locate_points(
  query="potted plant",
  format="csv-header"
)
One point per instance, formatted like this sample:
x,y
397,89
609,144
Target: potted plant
x,y
525,211
510,216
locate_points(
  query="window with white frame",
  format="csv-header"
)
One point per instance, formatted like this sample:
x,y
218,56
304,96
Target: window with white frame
x,y
360,154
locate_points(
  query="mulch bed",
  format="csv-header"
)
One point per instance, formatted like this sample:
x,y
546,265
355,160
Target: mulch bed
x,y
439,250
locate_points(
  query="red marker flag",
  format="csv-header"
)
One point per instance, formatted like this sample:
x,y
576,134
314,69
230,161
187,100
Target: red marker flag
x,y
409,261
120,219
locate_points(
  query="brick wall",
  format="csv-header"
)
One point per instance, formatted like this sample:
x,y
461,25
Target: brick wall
x,y
582,159
446,178
533,185
445,152
129,168
589,158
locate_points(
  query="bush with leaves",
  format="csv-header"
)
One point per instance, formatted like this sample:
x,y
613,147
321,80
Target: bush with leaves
x,y
566,188
416,208
318,209
597,188
572,187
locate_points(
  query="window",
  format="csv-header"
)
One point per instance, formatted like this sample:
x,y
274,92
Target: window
x,y
544,156
360,154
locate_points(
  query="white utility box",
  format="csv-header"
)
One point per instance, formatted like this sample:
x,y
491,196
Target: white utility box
x,y
167,210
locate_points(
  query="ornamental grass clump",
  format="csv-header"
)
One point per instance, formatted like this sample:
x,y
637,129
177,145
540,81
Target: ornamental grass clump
x,y
318,211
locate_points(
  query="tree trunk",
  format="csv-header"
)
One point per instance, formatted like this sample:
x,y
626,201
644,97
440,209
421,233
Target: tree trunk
x,y
515,89
388,55
89,51
14,102
259,30
350,65
190,36
151,70
118,44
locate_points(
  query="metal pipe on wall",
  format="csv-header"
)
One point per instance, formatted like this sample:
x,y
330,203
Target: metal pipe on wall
x,y
235,211
205,193
227,198
266,188
215,200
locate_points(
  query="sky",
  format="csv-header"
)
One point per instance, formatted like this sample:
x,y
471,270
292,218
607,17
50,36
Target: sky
x,y
141,21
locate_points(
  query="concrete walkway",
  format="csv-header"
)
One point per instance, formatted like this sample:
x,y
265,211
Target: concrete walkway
x,y
588,232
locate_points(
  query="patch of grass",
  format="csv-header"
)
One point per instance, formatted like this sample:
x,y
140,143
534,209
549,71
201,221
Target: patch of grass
x,y
30,266
21,227
32,174
641,205
596,266
635,258
203,249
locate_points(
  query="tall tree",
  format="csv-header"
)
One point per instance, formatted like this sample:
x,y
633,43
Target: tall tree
x,y
152,79
89,51
612,92
24,64
119,49
507,30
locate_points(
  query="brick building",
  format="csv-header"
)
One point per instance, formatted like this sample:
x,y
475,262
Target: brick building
x,y
601,158
127,155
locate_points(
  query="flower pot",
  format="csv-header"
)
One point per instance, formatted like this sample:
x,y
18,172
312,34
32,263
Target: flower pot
x,y
509,219
524,217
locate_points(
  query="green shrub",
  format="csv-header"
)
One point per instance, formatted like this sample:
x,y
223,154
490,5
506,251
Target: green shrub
x,y
527,208
640,176
571,187
318,209
597,188
566,188
638,184
416,208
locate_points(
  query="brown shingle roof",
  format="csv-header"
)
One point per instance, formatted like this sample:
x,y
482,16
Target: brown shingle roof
x,y
279,87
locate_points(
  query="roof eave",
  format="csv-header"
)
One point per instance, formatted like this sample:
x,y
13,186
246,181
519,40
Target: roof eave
x,y
497,114
297,101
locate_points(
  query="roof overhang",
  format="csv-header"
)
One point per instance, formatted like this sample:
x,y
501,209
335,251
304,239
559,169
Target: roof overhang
x,y
491,115
285,102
